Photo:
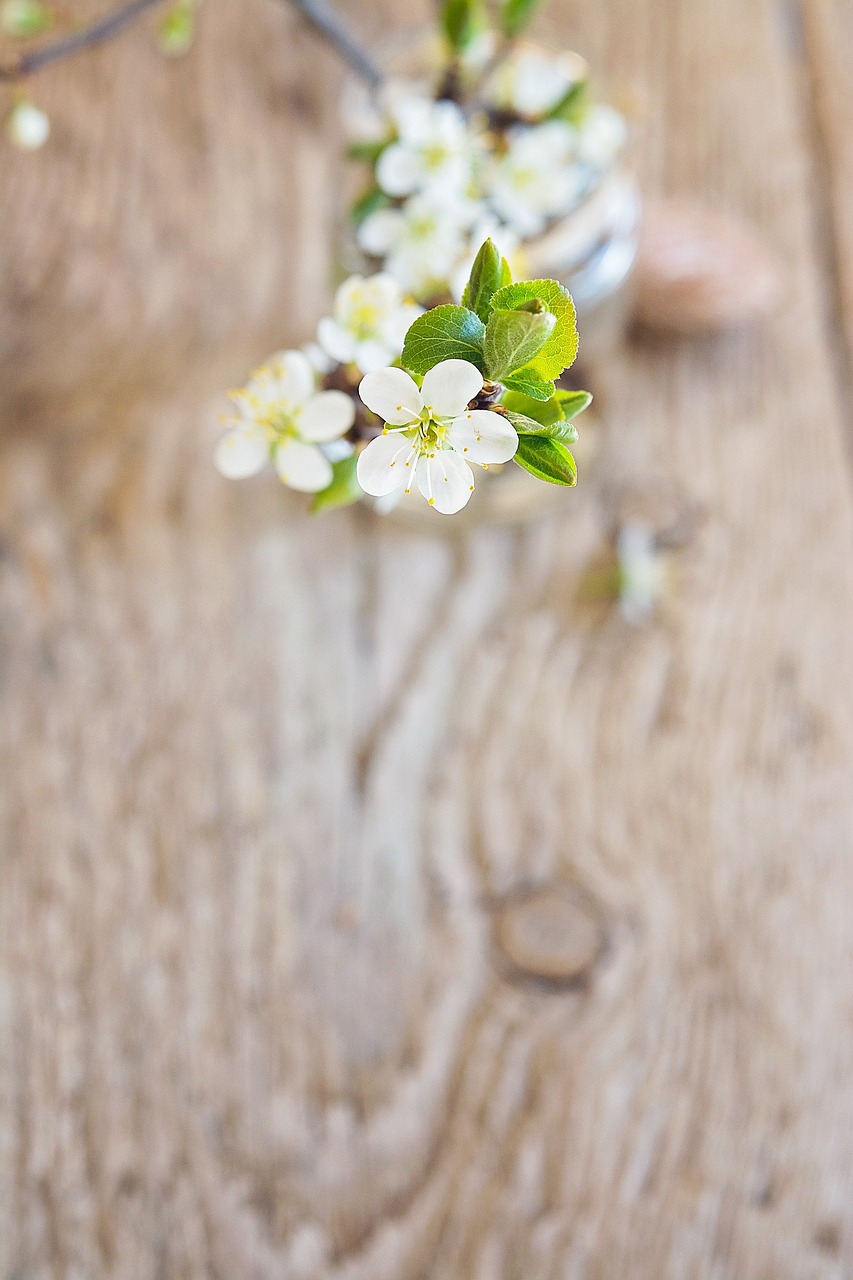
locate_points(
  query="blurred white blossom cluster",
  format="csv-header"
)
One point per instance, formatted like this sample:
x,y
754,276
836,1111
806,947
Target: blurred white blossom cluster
x,y
446,174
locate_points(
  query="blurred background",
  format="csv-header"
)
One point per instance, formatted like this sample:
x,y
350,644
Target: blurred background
x,y
383,904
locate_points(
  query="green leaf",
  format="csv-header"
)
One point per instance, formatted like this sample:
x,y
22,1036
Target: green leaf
x,y
547,460
344,488
177,29
372,199
530,383
445,333
573,403
368,151
459,22
516,15
573,104
489,273
542,411
562,346
24,18
565,432
513,338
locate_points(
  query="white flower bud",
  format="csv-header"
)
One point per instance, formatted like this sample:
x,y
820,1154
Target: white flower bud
x,y
27,126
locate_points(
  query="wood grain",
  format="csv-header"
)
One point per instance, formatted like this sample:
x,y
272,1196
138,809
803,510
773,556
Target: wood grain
x,y
271,785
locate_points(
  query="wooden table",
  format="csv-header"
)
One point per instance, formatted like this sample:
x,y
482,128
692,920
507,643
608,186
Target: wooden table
x,y
376,906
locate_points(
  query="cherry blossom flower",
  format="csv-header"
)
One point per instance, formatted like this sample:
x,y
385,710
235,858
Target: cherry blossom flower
x,y
369,323
421,242
531,83
431,434
602,136
537,178
281,416
433,149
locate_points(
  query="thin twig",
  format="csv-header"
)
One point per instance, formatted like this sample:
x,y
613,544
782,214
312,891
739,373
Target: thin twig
x,y
328,23
85,38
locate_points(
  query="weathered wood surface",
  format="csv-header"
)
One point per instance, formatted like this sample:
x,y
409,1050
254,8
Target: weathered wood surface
x,y
278,797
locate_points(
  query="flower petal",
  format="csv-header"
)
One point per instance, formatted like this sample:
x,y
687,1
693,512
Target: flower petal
x,y
294,377
302,466
484,437
335,340
449,386
393,395
380,231
446,481
381,467
372,354
326,416
399,170
241,452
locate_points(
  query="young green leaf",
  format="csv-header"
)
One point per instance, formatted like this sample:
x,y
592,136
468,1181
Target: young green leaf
x,y
565,432
513,338
372,199
177,29
547,460
369,151
530,383
542,411
573,403
573,105
459,22
445,333
24,18
516,15
344,488
489,273
562,346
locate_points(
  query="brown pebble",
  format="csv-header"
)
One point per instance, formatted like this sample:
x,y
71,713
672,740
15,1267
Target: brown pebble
x,y
699,271
553,934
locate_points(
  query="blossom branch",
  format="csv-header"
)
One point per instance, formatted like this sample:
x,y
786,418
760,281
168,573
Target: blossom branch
x,y
87,37
328,23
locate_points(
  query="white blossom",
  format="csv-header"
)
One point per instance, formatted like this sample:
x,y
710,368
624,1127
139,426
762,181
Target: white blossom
x,y
537,178
369,322
601,137
530,83
433,150
421,242
281,416
27,126
431,435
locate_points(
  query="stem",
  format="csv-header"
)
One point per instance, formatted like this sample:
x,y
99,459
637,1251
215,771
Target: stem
x,y
85,38
328,23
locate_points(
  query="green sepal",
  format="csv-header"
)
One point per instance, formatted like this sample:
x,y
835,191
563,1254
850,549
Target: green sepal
x,y
444,333
516,15
372,199
489,273
547,460
562,346
344,488
572,403
565,432
513,339
530,383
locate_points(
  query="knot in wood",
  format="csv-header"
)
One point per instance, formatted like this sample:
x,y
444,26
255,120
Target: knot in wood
x,y
555,935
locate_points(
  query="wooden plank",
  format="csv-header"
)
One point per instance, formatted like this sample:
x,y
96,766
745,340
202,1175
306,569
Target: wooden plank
x,y
272,786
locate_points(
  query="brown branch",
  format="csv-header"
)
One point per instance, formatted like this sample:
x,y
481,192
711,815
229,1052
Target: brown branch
x,y
328,23
96,33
